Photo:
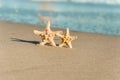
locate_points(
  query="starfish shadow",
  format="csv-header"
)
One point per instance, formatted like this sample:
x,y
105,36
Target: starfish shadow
x,y
26,41
29,41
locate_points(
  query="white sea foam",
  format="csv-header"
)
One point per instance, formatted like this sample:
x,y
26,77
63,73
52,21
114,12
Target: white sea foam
x,y
99,1
115,2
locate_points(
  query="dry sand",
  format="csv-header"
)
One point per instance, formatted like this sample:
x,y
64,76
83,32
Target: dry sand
x,y
93,57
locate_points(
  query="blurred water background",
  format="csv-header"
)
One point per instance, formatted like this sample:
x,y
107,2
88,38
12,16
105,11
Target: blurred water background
x,y
83,17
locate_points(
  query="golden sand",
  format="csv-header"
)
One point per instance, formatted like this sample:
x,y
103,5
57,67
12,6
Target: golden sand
x,y
93,57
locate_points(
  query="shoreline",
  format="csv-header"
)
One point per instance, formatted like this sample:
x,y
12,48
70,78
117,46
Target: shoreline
x,y
60,28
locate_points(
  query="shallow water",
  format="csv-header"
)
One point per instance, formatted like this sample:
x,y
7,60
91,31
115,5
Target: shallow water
x,y
93,18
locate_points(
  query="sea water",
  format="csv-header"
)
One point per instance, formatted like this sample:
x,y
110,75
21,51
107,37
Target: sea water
x,y
83,17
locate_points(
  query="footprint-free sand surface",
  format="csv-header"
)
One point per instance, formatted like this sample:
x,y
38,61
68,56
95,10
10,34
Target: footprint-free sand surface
x,y
93,57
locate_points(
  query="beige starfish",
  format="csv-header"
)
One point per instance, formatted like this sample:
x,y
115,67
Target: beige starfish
x,y
47,35
66,39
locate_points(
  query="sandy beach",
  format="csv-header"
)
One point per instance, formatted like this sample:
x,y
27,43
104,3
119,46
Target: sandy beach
x,y
93,57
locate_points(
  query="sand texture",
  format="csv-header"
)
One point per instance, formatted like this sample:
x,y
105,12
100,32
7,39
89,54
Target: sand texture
x,y
93,57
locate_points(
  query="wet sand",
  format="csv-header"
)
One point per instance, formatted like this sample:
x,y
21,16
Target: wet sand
x,y
93,57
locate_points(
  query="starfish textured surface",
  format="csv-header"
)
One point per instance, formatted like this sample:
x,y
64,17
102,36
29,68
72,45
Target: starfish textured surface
x,y
67,39
47,35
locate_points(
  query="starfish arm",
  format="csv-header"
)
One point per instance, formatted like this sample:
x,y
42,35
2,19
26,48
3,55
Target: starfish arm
x,y
43,43
52,43
38,33
69,44
58,32
52,34
67,32
61,45
74,37
59,35
48,26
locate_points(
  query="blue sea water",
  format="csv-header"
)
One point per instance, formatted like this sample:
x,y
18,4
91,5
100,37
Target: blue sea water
x,y
83,17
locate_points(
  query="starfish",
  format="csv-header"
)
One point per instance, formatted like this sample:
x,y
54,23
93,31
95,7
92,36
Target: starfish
x,y
47,35
66,39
